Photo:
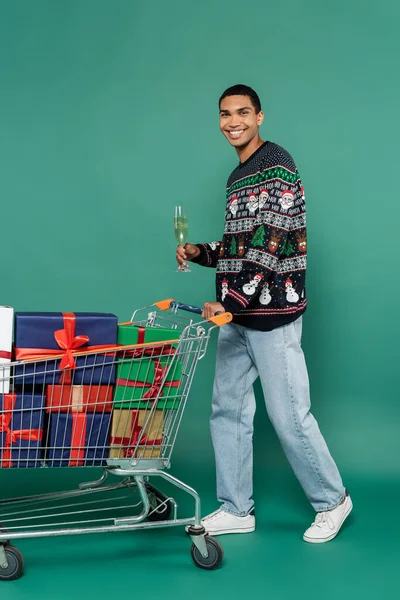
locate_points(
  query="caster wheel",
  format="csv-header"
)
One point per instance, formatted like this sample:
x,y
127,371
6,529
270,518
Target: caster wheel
x,y
15,566
214,558
160,509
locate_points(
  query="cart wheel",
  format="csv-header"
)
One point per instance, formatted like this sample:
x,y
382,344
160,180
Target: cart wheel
x,y
15,566
215,554
159,505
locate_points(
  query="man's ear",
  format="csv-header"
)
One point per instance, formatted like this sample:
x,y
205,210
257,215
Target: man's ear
x,y
260,118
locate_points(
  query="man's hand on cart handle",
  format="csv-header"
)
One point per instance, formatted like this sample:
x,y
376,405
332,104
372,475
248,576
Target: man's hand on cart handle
x,y
187,252
210,309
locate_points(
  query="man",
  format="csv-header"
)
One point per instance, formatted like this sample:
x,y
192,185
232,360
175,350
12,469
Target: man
x,y
264,288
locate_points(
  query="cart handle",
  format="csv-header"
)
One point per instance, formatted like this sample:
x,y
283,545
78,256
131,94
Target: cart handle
x,y
218,319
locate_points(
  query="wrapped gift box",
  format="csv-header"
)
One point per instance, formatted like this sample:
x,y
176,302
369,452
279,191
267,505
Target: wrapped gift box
x,y
77,439
133,334
43,335
141,371
131,437
79,398
6,330
21,429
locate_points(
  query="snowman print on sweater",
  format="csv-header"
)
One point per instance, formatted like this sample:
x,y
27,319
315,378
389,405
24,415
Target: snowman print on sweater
x,y
250,288
291,294
265,296
287,200
225,289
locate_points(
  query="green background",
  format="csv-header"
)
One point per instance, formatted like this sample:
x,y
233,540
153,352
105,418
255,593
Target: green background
x,y
108,120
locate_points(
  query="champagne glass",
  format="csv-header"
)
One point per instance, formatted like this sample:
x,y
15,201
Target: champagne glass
x,y
181,231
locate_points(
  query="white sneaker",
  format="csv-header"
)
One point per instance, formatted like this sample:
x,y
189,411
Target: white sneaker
x,y
220,522
328,523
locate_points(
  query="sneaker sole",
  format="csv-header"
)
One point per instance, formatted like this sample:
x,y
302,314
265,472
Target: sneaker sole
x,y
224,531
328,539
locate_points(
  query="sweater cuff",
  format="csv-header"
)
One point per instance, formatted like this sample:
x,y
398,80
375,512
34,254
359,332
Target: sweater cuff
x,y
203,258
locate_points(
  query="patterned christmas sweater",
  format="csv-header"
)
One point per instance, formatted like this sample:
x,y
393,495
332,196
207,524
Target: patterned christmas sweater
x,y
261,260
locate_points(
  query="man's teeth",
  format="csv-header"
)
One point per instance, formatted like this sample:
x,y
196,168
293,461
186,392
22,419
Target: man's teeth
x,y
236,133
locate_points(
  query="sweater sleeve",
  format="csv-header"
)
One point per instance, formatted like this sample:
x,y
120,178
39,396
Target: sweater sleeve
x,y
208,256
267,242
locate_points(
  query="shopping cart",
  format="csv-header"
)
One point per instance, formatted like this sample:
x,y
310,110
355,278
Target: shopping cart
x,y
130,429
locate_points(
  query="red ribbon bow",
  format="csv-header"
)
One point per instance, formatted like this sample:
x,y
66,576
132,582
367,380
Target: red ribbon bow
x,y
68,341
13,436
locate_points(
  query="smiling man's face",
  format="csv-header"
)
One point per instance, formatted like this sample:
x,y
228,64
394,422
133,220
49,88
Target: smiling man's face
x,y
239,121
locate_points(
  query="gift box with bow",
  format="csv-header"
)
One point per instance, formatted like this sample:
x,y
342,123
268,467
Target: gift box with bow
x,y
40,336
147,372
21,430
136,433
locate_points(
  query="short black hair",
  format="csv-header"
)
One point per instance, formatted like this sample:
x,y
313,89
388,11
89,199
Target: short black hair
x,y
242,90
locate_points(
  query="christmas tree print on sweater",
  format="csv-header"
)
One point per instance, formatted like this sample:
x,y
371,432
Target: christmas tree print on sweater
x,y
287,249
259,236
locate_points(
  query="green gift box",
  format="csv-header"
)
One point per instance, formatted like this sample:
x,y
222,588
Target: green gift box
x,y
132,334
141,371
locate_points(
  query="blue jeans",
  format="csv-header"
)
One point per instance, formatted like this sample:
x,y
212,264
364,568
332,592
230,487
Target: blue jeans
x,y
277,358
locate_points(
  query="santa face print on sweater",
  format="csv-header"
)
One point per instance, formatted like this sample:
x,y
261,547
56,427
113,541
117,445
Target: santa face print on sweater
x,y
250,288
234,205
263,198
252,204
287,200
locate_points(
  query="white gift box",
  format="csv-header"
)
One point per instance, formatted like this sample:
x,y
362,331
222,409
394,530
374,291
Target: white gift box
x,y
6,331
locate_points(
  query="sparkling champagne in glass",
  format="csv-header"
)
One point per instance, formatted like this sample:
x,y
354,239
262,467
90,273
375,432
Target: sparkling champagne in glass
x,y
181,230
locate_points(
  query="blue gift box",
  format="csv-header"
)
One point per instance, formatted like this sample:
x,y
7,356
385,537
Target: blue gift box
x,y
78,439
21,429
36,331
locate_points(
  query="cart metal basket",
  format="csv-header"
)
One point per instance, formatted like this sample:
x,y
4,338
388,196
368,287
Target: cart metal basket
x,y
129,429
